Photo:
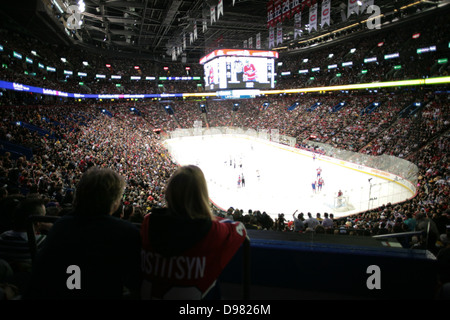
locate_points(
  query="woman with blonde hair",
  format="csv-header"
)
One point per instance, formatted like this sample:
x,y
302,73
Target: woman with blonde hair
x,y
187,193
185,247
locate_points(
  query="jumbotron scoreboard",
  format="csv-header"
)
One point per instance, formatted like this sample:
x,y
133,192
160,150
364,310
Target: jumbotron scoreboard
x,y
234,69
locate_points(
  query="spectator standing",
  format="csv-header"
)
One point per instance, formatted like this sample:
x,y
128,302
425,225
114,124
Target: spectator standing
x,y
327,223
299,226
311,222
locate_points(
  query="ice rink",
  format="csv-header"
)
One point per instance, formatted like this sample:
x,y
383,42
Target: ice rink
x,y
278,178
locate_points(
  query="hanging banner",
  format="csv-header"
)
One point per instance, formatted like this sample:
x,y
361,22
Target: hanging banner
x,y
250,42
258,41
195,30
245,44
184,41
297,25
191,37
279,33
219,9
174,55
325,19
352,6
313,18
204,21
213,14
271,37
270,14
277,8
286,10
295,7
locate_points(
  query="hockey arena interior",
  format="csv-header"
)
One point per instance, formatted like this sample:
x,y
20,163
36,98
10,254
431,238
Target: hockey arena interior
x,y
321,128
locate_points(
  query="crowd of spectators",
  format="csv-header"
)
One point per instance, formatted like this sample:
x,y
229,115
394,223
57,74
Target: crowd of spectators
x,y
66,137
74,138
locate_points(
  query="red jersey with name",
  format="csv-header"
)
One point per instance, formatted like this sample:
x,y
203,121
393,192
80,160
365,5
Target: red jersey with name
x,y
250,72
183,257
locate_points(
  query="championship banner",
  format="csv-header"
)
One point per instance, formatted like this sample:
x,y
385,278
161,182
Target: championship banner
x,y
204,22
279,33
250,42
277,9
195,30
286,10
258,41
191,37
271,37
174,55
295,6
297,25
219,8
184,41
325,19
313,18
270,14
245,44
213,14
352,6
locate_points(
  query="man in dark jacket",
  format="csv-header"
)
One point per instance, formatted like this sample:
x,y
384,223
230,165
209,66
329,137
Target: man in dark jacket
x,y
90,254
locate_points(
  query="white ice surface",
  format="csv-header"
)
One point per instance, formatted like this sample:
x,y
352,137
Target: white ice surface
x,y
285,179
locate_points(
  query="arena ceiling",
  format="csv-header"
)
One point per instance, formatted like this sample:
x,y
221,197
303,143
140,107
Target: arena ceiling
x,y
152,28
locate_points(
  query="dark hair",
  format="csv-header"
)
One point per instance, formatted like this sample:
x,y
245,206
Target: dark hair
x,y
27,207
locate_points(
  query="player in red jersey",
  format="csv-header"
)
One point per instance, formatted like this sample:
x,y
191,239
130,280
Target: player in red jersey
x,y
249,72
211,75
320,184
319,171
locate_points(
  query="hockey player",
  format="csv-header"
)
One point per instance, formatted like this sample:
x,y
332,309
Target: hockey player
x,y
320,184
319,171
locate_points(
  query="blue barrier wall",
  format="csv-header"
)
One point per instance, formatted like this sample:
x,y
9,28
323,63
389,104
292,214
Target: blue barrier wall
x,y
318,267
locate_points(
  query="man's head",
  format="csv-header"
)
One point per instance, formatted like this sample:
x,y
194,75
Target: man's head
x,y
99,192
27,207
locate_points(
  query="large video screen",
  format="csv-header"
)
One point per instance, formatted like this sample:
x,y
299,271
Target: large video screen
x,y
239,69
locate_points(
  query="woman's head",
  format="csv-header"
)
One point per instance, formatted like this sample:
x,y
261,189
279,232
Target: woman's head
x,y
187,193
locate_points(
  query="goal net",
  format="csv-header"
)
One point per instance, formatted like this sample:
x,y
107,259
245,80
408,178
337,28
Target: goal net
x,y
342,204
